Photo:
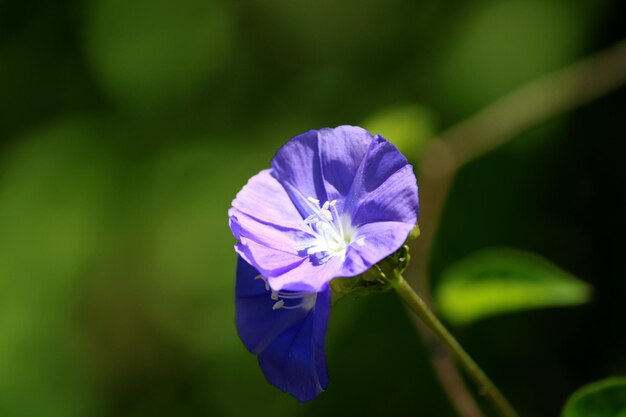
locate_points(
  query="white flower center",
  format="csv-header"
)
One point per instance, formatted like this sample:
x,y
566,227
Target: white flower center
x,y
332,232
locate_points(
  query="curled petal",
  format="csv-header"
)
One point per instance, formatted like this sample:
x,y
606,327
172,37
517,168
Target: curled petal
x,y
267,225
289,342
378,240
263,198
309,275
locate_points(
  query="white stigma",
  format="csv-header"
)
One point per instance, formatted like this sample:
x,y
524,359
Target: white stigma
x,y
332,232
306,300
297,300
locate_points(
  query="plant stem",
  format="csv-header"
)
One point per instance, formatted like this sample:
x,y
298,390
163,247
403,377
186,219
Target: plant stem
x,y
493,126
485,385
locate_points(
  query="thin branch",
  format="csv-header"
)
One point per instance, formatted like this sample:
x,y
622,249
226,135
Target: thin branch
x,y
537,102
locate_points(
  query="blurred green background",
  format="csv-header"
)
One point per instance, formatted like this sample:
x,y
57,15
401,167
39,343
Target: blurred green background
x,y
127,127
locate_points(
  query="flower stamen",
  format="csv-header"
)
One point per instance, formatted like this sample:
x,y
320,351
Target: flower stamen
x,y
332,232
281,297
267,284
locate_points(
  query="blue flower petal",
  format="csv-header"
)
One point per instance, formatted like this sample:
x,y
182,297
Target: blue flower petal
x,y
257,323
296,361
395,200
379,240
264,199
297,163
289,342
341,151
382,161
308,276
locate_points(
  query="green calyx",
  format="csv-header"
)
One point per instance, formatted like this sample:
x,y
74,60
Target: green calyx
x,y
378,278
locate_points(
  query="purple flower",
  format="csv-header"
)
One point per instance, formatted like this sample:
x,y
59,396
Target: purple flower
x,y
334,203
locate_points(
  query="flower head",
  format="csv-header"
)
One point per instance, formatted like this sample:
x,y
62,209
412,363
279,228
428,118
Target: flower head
x,y
335,202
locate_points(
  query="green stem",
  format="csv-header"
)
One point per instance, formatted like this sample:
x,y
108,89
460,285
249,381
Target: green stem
x,y
485,385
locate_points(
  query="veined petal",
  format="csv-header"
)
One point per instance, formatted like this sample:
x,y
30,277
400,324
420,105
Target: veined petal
x,y
305,368
393,200
265,199
273,236
296,361
289,342
381,162
341,151
267,260
378,240
280,254
297,163
310,275
271,248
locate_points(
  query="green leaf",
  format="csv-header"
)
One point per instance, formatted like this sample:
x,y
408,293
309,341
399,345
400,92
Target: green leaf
x,y
606,398
500,280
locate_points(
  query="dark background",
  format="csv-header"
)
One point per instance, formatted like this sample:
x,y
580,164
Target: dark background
x,y
127,127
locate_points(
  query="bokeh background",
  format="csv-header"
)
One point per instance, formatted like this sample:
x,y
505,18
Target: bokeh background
x,y
127,127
